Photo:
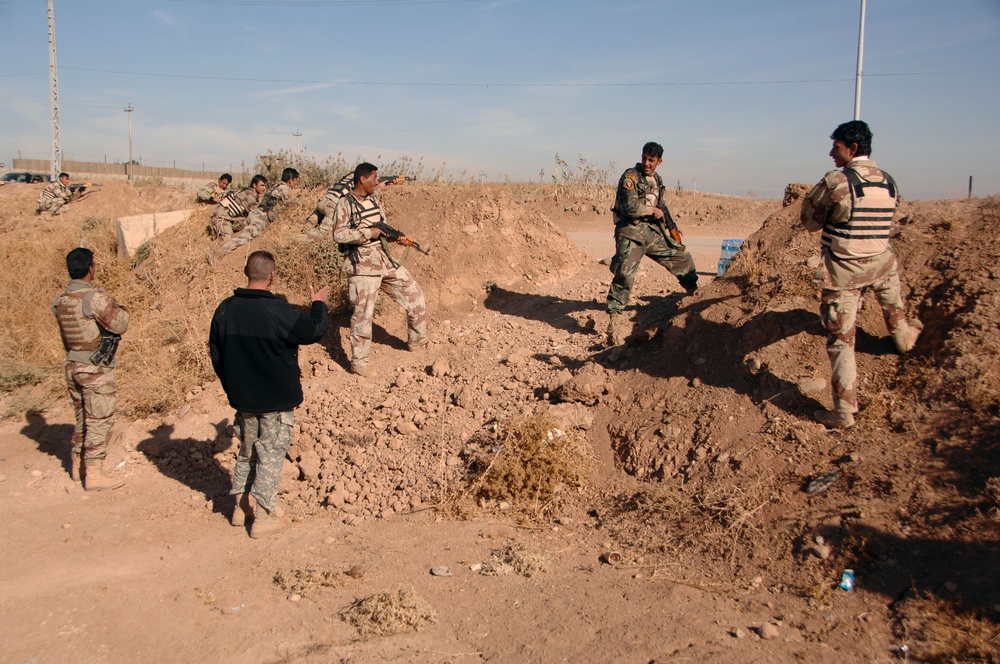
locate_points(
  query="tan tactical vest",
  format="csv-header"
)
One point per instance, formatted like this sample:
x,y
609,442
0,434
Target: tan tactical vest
x,y
866,232
80,333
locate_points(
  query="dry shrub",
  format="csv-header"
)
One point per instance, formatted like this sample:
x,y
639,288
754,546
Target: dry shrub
x,y
387,613
308,579
993,496
738,508
657,519
936,631
529,463
515,559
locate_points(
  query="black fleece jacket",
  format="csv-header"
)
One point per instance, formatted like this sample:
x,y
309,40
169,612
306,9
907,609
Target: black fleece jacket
x,y
254,343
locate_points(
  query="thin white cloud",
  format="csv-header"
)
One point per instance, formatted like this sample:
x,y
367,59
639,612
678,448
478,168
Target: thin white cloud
x,y
292,91
170,20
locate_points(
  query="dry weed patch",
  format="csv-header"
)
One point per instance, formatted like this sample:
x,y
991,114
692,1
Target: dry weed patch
x,y
307,580
939,632
514,558
387,613
529,462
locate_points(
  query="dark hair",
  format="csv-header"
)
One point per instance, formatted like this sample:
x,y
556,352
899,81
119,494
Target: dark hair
x,y
78,262
289,174
227,177
63,174
653,149
257,178
854,131
259,265
363,170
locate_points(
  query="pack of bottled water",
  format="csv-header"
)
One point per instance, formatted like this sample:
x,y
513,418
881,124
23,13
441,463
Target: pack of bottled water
x,y
729,250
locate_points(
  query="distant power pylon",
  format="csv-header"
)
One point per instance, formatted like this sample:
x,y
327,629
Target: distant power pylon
x,y
55,166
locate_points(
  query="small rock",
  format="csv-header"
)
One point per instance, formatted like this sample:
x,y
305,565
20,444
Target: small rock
x,y
294,597
813,261
36,473
768,631
329,540
756,581
406,428
440,367
441,570
66,526
504,506
476,567
564,521
823,482
821,551
813,385
950,586
737,633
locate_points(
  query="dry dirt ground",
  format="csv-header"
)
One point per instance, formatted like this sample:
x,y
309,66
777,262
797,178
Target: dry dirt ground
x,y
688,452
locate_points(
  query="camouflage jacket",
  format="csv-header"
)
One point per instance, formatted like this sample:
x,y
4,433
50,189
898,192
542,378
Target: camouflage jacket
x,y
210,193
353,219
55,190
856,220
85,314
637,196
238,203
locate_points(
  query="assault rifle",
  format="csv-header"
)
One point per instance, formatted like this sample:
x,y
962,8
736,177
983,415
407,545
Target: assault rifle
x,y
671,231
399,237
79,189
396,179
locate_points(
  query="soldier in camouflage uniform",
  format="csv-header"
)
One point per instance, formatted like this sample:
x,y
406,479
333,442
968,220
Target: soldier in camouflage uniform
x,y
854,208
262,216
214,192
370,268
643,227
231,215
254,345
90,322
54,197
321,221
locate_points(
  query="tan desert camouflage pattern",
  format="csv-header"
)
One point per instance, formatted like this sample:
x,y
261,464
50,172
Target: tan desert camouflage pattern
x,y
842,283
211,193
260,217
92,391
828,207
264,441
231,215
54,197
327,203
636,236
81,311
362,291
369,269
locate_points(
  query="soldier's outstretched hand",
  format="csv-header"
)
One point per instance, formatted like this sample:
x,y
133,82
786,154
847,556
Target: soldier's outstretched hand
x,y
320,295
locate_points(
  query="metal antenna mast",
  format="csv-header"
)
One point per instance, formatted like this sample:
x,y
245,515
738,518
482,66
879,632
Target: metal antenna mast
x,y
861,57
128,168
297,134
55,165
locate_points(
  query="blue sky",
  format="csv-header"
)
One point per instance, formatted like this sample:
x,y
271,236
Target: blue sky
x,y
743,95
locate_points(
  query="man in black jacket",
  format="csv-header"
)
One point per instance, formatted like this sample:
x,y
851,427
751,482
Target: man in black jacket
x,y
254,343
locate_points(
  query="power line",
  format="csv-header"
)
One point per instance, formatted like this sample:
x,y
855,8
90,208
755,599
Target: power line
x,y
521,85
319,3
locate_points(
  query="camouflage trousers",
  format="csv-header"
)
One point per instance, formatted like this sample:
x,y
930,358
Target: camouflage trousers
x,y
264,441
53,206
631,244
222,225
256,223
92,391
362,291
842,283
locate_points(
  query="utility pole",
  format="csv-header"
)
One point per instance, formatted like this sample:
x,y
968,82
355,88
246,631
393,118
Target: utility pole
x,y
297,134
128,167
55,165
861,57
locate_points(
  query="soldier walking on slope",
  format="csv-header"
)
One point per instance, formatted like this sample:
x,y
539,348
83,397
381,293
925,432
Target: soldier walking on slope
x,y
643,227
254,344
370,268
91,323
854,209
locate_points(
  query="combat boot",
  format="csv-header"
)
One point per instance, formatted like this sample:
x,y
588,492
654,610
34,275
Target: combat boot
x,y
94,478
834,419
267,523
362,370
906,338
414,346
242,512
616,330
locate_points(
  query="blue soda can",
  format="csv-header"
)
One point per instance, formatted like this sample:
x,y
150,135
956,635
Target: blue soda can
x,y
847,579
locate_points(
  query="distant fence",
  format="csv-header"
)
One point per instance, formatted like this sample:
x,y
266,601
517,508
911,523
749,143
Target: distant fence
x,y
75,168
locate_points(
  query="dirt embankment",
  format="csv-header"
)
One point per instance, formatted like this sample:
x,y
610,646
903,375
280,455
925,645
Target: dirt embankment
x,y
699,442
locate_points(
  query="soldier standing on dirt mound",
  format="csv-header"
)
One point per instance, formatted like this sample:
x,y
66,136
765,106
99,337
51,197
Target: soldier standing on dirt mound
x,y
370,268
854,209
643,227
254,343
91,323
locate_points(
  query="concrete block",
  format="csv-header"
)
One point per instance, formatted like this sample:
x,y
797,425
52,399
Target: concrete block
x,y
134,231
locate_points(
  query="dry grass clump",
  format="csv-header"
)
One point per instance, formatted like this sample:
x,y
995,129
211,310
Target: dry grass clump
x,y
936,631
514,558
306,580
529,463
387,613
